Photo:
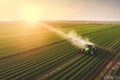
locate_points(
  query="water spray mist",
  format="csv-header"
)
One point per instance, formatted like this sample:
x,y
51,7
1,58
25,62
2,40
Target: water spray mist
x,y
72,36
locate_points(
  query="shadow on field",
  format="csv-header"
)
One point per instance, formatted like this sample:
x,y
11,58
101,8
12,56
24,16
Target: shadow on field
x,y
101,53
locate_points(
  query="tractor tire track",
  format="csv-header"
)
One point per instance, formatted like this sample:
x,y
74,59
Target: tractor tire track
x,y
104,68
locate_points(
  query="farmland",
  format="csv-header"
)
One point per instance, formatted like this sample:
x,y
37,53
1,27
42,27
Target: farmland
x,y
40,54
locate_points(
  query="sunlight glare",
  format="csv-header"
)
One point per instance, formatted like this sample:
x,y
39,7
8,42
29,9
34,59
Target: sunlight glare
x,y
30,14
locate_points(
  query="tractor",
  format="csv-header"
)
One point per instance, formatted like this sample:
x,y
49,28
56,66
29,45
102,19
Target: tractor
x,y
89,49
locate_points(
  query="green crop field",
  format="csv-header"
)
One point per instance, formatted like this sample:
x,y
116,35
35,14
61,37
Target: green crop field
x,y
40,54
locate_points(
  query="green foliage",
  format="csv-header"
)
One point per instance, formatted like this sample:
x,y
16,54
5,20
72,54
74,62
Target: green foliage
x,y
50,57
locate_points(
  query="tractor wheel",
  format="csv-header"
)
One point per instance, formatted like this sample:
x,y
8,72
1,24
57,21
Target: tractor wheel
x,y
91,52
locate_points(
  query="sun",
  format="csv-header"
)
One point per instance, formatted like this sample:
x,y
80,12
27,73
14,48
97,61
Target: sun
x,y
30,13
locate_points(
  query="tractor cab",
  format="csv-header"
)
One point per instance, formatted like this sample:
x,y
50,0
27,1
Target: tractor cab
x,y
89,49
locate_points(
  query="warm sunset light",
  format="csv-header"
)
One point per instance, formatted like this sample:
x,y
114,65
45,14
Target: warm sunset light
x,y
30,14
59,39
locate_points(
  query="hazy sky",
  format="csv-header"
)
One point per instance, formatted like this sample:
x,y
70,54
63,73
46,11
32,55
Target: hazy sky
x,y
60,9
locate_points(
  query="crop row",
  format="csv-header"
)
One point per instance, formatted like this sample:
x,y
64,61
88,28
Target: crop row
x,y
63,60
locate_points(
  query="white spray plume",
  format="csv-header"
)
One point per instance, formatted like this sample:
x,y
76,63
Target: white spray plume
x,y
72,36
77,40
